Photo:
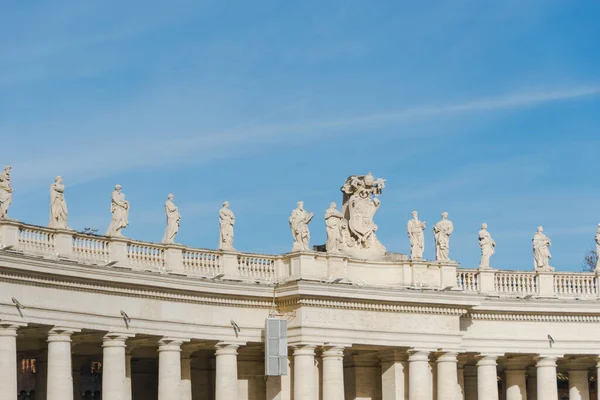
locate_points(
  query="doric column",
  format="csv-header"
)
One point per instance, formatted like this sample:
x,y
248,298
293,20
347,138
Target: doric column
x,y
487,377
226,371
394,374
41,368
114,368
8,360
169,368
333,372
470,382
447,377
186,376
516,388
304,374
128,388
579,384
60,377
547,388
420,377
461,380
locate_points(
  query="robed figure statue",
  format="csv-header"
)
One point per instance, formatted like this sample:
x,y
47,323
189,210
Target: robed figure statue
x,y
58,205
334,221
226,222
5,192
416,236
541,250
173,220
119,207
442,231
299,221
488,247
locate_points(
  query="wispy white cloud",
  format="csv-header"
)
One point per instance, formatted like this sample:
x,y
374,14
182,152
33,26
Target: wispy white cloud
x,y
161,148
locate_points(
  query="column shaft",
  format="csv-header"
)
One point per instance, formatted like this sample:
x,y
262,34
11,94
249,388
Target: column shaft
x,y
487,378
128,395
186,377
60,378
113,366
169,369
420,377
333,373
547,388
579,385
8,362
461,382
516,388
447,377
304,376
226,372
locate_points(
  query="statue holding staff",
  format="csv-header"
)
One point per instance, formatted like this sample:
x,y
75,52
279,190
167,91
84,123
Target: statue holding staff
x,y
299,221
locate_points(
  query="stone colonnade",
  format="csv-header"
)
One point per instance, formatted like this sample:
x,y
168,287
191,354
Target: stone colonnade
x,y
416,374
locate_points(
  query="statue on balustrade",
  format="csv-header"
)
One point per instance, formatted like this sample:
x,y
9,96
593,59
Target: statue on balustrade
x,y
360,203
299,221
598,248
5,192
226,222
334,225
416,236
58,205
173,220
488,247
119,208
541,251
442,231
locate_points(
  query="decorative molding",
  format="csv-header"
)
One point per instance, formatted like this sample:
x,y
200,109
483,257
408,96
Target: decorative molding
x,y
352,305
532,317
130,292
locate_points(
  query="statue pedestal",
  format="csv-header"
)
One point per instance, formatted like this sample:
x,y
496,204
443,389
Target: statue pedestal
x,y
304,266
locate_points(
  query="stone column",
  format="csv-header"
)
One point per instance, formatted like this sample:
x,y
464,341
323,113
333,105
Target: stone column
x,y
487,377
8,361
447,377
128,387
470,382
226,371
547,388
394,375
114,366
420,377
461,380
169,368
579,384
516,388
186,376
333,372
304,376
41,368
60,376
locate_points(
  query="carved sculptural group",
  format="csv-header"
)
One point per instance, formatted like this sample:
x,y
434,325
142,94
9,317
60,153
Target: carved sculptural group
x,y
350,231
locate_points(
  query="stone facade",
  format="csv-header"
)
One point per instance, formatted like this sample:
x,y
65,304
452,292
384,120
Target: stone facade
x,y
87,317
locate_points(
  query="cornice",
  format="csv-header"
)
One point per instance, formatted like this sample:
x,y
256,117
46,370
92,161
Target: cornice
x,y
533,317
369,306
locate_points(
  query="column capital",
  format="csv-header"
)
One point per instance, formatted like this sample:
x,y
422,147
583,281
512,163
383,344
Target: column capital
x,y
545,361
449,356
9,328
418,355
61,334
223,348
487,360
171,344
304,349
115,339
333,351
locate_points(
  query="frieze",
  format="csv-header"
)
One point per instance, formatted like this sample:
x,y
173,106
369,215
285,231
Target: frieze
x,y
533,317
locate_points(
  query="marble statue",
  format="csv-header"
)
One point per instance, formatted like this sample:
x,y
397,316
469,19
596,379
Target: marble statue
x,y
598,248
442,231
226,222
299,220
360,203
5,192
488,247
334,223
173,220
119,208
416,236
58,205
541,250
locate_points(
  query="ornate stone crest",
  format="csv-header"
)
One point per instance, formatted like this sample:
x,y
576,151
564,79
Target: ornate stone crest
x,y
360,203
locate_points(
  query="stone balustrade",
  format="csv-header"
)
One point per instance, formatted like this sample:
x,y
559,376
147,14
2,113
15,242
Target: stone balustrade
x,y
95,250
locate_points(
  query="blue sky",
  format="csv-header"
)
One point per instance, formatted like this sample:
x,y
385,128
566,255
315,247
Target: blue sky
x,y
487,110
